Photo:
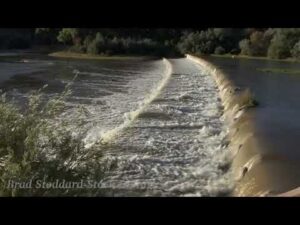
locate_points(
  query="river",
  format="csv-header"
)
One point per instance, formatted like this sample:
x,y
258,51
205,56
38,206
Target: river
x,y
273,149
162,119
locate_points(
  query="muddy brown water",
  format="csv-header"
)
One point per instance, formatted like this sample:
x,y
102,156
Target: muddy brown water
x,y
111,88
273,151
161,119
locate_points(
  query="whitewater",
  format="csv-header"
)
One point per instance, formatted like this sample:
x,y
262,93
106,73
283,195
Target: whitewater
x,y
175,145
158,123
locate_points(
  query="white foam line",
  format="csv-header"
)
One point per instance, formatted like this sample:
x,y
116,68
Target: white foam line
x,y
131,116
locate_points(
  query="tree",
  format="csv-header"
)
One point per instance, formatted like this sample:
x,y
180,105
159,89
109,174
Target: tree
x,y
203,42
46,36
68,36
97,46
283,41
245,47
229,38
219,50
257,44
295,52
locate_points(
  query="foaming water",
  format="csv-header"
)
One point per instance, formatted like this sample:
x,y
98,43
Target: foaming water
x,y
158,123
129,117
175,146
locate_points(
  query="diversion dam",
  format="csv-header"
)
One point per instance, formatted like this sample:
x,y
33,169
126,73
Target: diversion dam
x,y
263,140
158,123
176,145
175,127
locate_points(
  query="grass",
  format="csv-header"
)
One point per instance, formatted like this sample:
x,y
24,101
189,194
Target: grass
x,y
67,54
280,70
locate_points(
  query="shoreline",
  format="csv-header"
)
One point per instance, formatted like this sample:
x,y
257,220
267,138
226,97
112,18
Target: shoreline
x,y
66,54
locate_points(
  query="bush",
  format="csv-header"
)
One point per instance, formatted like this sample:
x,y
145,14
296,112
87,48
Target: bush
x,y
68,35
219,50
33,147
257,44
87,41
283,41
279,48
245,47
235,51
97,46
295,52
46,36
77,49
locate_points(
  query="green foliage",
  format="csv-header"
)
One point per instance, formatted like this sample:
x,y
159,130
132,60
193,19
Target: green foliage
x,y
77,49
46,36
295,52
276,43
220,50
203,42
228,38
245,47
35,147
256,45
283,41
115,45
97,45
68,35
206,42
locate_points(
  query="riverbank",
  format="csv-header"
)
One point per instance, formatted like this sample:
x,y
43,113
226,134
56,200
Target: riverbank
x,y
67,54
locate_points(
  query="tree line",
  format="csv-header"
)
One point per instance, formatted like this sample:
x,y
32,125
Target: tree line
x,y
276,43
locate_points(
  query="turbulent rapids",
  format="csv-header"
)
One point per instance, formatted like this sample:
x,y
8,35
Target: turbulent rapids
x,y
94,136
159,123
157,127
175,145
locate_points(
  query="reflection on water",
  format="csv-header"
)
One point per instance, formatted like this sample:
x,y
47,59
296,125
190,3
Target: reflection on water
x,y
276,123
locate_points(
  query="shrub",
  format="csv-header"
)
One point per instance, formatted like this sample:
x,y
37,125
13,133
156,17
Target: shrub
x,y
295,52
46,36
279,48
68,35
35,147
257,44
245,47
97,46
283,41
77,49
220,50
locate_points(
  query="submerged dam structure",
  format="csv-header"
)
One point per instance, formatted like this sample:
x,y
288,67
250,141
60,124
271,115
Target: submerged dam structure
x,y
176,127
263,163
